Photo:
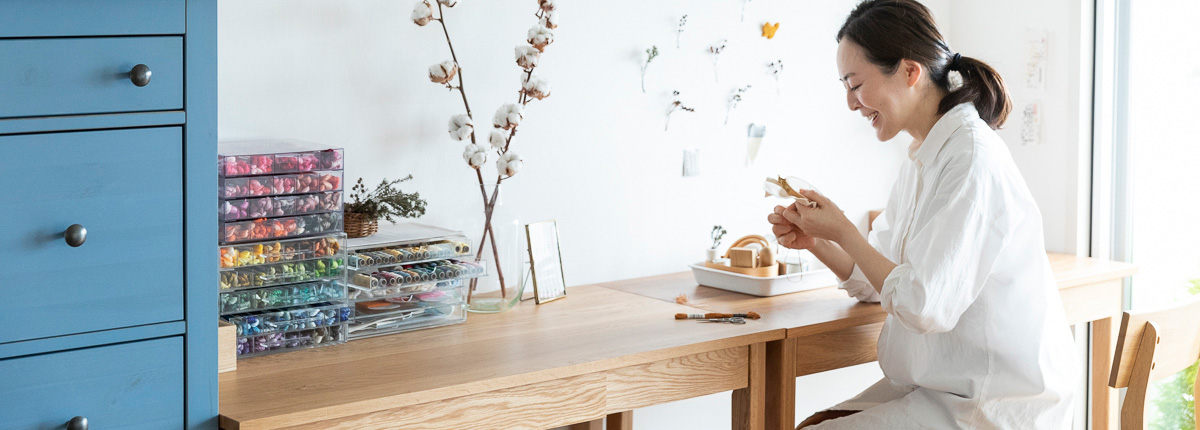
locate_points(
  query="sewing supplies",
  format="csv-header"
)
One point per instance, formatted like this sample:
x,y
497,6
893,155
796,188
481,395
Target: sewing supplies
x,y
750,315
733,320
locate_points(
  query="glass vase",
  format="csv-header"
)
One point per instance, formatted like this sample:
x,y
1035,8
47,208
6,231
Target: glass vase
x,y
499,238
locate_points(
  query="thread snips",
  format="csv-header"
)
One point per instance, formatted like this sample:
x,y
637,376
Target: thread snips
x,y
730,320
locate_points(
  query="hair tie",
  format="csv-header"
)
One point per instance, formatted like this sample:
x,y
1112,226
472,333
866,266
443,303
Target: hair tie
x,y
955,61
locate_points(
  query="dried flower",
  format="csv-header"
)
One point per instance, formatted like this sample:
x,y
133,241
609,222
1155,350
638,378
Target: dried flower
x,y
535,87
776,68
679,30
651,52
676,105
386,201
508,116
422,13
716,50
509,163
734,100
461,127
443,73
448,3
547,5
498,140
549,20
527,56
475,155
540,36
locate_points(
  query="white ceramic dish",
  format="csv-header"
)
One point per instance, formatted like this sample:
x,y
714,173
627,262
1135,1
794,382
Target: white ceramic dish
x,y
764,287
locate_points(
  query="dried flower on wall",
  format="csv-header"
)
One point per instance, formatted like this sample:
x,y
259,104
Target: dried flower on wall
x,y
776,68
676,105
715,50
734,100
651,53
679,30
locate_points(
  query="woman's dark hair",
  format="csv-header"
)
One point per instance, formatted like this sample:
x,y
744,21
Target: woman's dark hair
x,y
893,30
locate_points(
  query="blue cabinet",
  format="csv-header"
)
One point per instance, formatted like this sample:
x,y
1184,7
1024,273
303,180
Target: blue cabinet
x,y
108,251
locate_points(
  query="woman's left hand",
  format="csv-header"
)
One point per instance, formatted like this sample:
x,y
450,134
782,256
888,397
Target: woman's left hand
x,y
826,221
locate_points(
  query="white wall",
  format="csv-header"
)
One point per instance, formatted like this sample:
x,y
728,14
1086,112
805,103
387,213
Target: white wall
x,y
596,156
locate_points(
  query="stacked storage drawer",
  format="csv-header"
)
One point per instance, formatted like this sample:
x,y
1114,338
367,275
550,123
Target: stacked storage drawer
x,y
107,112
282,278
408,277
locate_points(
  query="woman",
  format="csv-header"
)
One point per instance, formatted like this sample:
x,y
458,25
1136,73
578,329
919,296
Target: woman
x,y
975,335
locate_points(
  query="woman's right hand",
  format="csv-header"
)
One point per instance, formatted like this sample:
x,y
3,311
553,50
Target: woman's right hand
x,y
786,233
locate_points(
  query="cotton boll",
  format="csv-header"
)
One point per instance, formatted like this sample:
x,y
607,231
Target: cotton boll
x,y
461,127
536,87
422,13
539,36
548,5
509,164
508,116
448,3
549,20
474,155
443,73
527,56
497,139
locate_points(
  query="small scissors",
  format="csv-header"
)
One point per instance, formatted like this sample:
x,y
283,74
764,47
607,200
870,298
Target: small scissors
x,y
733,320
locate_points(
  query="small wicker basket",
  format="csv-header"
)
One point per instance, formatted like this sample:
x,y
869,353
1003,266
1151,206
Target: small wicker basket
x,y
358,225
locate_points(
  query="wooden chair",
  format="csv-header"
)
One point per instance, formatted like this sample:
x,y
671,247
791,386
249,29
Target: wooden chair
x,y
1152,346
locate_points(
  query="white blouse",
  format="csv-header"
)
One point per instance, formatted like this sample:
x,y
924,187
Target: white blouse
x,y
975,335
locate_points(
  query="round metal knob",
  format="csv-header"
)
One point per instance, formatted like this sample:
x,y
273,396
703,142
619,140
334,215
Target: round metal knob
x,y
140,75
77,423
75,236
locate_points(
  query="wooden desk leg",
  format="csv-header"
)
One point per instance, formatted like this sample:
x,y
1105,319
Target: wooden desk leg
x,y
620,421
781,384
1104,399
750,403
590,425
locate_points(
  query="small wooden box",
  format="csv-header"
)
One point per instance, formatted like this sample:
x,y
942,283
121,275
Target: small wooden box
x,y
226,347
743,257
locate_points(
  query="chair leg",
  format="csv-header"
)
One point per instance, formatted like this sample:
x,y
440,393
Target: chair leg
x,y
620,421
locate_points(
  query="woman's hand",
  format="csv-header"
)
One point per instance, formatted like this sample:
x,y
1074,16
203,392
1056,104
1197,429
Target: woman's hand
x,y
786,233
826,221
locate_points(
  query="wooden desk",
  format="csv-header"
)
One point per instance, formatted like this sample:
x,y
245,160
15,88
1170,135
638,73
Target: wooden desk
x,y
828,330
596,353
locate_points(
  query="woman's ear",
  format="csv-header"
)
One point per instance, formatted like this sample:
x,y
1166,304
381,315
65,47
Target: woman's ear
x,y
912,72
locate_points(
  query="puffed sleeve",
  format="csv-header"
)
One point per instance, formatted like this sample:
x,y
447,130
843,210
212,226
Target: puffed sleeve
x,y
948,258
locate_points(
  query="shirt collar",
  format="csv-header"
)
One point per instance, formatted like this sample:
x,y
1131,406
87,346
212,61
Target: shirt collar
x,y
941,131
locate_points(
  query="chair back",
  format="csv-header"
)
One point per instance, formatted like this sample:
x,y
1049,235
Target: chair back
x,y
1151,346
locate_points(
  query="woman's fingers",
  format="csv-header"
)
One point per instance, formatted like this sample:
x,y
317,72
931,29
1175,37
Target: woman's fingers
x,y
780,229
792,216
779,209
776,219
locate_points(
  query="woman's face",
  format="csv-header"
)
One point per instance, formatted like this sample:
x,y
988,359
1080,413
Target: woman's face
x,y
885,100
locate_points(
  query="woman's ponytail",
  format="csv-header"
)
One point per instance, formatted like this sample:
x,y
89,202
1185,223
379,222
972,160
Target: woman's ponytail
x,y
893,30
982,86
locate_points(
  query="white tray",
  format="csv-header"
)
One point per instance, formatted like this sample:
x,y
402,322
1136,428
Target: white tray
x,y
764,287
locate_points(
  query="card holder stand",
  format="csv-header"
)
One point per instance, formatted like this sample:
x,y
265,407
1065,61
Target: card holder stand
x,y
260,299
373,258
282,251
290,319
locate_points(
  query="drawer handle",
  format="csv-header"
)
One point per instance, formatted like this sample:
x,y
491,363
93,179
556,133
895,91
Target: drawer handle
x,y
140,75
77,423
75,236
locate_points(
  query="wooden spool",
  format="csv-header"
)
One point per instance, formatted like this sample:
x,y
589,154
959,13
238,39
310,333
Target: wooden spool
x,y
766,269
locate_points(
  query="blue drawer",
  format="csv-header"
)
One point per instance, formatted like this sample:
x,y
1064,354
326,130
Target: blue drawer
x,y
42,18
126,188
131,386
43,77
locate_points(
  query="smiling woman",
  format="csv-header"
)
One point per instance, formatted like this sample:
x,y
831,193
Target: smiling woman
x,y
975,335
